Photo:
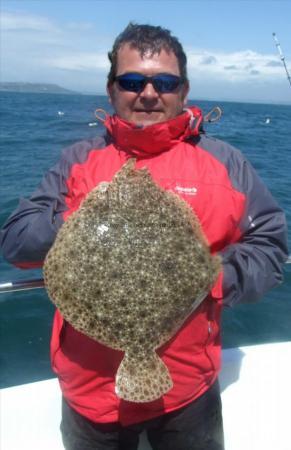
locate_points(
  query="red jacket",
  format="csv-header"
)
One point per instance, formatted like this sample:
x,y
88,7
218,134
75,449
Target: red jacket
x,y
239,217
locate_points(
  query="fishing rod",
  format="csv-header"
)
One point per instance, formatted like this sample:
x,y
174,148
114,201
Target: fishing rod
x,y
282,57
38,283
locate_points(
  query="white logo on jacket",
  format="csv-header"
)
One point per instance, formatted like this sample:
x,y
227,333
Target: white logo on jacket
x,y
186,190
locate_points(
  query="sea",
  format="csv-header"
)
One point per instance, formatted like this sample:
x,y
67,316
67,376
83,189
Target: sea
x,y
34,130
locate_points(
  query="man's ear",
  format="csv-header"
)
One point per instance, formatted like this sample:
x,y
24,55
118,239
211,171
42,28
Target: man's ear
x,y
185,92
109,90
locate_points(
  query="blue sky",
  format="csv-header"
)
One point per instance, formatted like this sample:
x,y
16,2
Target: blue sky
x,y
229,44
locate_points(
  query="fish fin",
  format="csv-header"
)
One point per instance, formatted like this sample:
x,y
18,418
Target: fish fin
x,y
142,380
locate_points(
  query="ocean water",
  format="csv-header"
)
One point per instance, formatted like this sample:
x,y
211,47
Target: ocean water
x,y
34,129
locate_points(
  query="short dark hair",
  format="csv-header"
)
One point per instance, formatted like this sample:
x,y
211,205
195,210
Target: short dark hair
x,y
147,38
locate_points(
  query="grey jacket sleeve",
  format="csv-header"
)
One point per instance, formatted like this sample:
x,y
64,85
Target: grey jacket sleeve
x,y
254,265
30,231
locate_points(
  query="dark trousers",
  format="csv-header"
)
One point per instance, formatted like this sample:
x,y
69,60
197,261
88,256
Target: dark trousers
x,y
197,426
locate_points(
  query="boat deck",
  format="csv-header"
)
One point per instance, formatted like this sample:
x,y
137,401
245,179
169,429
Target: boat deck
x,y
256,397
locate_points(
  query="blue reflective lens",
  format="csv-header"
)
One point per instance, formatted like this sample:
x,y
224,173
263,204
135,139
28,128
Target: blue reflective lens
x,y
136,82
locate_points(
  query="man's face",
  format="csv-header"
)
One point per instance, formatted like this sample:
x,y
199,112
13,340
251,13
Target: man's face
x,y
149,106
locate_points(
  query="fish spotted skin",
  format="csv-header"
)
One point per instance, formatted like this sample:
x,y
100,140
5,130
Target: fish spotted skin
x,y
127,269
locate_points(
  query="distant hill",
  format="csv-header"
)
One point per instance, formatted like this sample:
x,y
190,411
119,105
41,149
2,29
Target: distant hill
x,y
39,88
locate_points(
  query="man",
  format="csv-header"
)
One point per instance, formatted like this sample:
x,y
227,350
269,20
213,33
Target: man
x,y
148,87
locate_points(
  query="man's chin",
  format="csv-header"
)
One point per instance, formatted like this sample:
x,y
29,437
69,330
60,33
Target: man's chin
x,y
144,119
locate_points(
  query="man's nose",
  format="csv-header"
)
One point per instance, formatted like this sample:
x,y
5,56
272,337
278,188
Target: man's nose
x,y
149,91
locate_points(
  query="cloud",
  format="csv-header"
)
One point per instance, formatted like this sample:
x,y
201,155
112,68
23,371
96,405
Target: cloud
x,y
208,60
254,72
35,48
74,55
233,66
274,64
80,62
80,26
21,22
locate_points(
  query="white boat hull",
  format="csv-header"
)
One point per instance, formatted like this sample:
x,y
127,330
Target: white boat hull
x,y
256,397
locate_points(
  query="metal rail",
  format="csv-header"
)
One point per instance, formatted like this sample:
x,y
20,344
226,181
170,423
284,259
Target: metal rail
x,y
24,285
38,283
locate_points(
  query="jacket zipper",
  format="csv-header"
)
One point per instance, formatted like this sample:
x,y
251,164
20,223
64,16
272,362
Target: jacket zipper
x,y
209,334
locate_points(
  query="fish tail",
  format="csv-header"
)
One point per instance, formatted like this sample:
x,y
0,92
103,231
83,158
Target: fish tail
x,y
144,380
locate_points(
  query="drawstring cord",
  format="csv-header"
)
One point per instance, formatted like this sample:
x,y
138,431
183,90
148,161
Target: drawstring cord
x,y
101,114
216,110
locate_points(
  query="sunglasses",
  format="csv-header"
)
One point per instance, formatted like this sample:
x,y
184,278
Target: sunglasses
x,y
136,82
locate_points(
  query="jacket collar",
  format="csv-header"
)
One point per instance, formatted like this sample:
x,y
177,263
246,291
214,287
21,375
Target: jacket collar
x,y
156,138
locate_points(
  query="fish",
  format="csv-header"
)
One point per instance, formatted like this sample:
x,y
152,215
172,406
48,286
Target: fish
x,y
127,269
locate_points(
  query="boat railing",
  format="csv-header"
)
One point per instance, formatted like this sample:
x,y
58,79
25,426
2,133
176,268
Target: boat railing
x,y
38,283
21,285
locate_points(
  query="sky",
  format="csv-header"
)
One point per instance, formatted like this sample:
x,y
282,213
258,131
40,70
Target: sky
x,y
229,44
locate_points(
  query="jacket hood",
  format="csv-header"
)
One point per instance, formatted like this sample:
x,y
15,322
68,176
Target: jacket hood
x,y
156,138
